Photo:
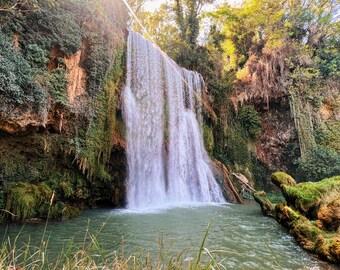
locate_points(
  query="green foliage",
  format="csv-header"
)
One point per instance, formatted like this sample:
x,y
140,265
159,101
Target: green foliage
x,y
36,55
187,14
250,120
27,200
322,163
261,175
329,135
49,27
93,146
69,186
237,151
220,89
17,86
57,85
2,198
330,62
208,139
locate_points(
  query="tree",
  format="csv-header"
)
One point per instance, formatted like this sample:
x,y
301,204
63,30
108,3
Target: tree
x,y
175,27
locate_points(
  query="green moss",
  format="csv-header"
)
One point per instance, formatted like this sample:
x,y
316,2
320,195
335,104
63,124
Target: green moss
x,y
281,178
27,200
335,248
306,233
292,215
93,147
266,206
307,196
208,139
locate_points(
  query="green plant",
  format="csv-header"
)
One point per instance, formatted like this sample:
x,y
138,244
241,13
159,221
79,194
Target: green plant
x,y
93,146
17,85
329,135
208,139
250,120
57,85
91,254
322,163
26,200
35,55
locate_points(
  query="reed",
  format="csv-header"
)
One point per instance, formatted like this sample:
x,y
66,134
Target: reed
x,y
90,255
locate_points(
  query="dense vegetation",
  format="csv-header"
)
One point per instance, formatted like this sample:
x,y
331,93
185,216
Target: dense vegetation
x,y
65,158
272,72
260,59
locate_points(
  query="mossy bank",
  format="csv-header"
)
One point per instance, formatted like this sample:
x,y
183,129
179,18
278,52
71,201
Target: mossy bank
x,y
310,211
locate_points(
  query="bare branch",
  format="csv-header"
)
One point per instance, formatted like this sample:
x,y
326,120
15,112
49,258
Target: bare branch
x,y
10,8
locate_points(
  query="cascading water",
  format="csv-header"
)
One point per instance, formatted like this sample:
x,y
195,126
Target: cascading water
x,y
167,162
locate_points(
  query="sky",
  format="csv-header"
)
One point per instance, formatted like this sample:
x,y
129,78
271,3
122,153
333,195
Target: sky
x,y
154,4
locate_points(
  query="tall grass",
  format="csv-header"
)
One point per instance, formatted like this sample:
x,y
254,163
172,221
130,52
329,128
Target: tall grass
x,y
90,255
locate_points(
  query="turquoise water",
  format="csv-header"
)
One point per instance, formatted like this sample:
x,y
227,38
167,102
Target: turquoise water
x,y
248,239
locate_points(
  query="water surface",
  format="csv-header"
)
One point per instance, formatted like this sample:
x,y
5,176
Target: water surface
x,y
249,240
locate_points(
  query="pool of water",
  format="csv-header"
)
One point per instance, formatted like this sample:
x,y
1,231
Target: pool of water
x,y
247,238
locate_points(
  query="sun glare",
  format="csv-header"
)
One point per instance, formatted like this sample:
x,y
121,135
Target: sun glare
x,y
152,5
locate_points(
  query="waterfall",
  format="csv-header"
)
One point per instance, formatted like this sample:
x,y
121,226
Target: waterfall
x,y
167,162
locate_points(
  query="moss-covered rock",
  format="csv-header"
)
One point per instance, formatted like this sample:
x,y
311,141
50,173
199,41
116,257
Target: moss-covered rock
x,y
285,215
311,212
281,178
328,214
266,206
307,197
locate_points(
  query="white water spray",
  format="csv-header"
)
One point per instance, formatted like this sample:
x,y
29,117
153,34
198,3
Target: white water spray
x,y
167,162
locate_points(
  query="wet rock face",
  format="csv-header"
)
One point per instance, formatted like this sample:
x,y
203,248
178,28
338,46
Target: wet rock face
x,y
221,174
41,157
278,132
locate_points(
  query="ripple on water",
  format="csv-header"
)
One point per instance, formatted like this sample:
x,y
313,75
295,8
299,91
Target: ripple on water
x,y
248,239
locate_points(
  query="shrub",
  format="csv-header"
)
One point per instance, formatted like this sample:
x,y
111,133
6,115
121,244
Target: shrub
x,y
57,86
329,136
17,86
36,55
250,120
321,163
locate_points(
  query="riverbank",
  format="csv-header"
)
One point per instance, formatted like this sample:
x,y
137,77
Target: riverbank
x,y
310,211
